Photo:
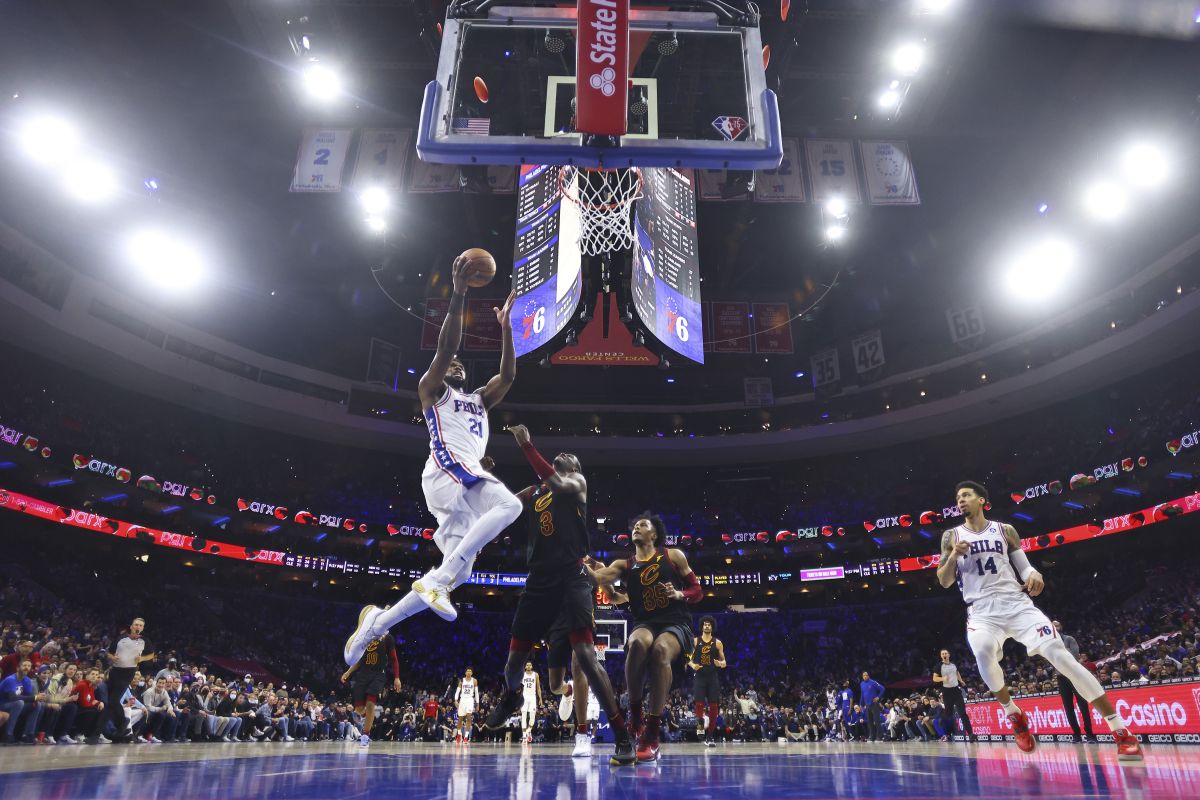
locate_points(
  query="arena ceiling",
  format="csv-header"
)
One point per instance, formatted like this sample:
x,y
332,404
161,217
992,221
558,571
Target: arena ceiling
x,y
1020,105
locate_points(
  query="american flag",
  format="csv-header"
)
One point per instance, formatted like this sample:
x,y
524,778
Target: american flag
x,y
473,126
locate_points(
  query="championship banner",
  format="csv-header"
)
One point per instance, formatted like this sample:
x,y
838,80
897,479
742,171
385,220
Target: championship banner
x,y
773,329
784,184
731,327
321,159
712,184
382,153
1159,713
428,178
481,331
833,170
436,309
888,171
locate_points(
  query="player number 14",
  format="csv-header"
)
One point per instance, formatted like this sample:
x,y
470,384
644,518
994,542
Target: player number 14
x,y
990,566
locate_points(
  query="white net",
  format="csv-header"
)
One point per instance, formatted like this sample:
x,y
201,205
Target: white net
x,y
603,197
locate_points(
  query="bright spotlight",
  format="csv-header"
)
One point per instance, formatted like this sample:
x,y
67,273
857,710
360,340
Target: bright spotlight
x,y
1105,201
165,260
836,206
376,224
48,138
932,7
835,232
90,182
322,82
1145,165
374,200
907,58
889,99
1039,271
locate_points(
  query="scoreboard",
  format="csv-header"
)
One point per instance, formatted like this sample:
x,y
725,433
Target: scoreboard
x,y
666,261
546,260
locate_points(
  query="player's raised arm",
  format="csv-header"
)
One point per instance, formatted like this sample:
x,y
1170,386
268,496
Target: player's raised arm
x,y
947,570
603,574
1034,584
429,388
692,593
502,381
564,478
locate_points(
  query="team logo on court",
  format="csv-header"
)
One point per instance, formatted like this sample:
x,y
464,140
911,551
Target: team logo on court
x,y
604,81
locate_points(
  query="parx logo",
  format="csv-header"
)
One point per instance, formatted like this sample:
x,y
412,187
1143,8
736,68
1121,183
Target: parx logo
x,y
604,81
9,435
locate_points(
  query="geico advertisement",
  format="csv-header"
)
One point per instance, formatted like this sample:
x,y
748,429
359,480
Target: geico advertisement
x,y
1172,708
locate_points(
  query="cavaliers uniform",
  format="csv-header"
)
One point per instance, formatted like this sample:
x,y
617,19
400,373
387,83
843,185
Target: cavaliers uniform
x,y
651,606
706,685
369,681
997,606
559,588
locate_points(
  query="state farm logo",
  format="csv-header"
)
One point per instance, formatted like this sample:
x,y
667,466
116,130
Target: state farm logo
x,y
604,81
602,48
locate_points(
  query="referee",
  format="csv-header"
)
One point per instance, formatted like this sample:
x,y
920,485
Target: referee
x,y
127,654
1070,697
952,697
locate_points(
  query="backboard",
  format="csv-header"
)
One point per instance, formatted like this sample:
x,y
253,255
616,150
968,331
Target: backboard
x,y
505,92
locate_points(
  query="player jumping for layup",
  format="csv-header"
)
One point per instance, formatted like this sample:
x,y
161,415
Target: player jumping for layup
x,y
558,582
660,585
472,507
997,580
707,658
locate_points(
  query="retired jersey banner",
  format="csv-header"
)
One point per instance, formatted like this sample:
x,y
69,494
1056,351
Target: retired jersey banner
x,y
731,327
833,170
428,177
712,184
889,174
480,328
321,159
784,184
773,328
382,153
435,314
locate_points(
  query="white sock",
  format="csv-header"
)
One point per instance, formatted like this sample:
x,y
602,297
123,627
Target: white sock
x,y
505,508
1115,723
409,604
1010,707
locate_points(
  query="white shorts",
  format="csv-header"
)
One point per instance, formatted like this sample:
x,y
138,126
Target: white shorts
x,y
530,706
993,620
446,496
593,710
466,709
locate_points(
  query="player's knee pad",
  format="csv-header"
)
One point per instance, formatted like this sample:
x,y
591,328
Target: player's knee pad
x,y
1060,658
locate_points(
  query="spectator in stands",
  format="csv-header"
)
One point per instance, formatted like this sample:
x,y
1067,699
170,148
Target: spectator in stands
x,y
170,671
63,696
160,714
19,698
90,719
23,652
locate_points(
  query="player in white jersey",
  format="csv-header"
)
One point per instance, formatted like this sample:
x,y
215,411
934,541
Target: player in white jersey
x,y
986,560
472,507
531,696
465,697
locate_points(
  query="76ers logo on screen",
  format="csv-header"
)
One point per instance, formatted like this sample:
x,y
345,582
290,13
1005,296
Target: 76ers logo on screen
x,y
677,324
533,320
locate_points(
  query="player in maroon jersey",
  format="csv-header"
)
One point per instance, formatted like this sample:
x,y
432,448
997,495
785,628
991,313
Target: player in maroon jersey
x,y
660,584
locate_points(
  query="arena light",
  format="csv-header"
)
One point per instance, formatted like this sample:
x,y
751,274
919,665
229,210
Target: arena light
x,y
889,99
47,138
1145,165
376,224
1039,271
1104,201
837,208
835,232
908,58
165,260
932,7
322,82
90,181
375,200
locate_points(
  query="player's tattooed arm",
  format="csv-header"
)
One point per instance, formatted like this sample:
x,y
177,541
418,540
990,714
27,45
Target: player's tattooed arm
x,y
1034,583
947,571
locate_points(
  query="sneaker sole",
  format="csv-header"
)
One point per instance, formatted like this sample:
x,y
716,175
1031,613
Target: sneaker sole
x,y
362,616
1135,757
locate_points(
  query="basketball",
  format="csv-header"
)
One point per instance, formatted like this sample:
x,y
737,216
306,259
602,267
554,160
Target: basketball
x,y
482,267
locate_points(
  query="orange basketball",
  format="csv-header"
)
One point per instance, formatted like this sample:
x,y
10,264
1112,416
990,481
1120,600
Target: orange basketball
x,y
481,90
481,267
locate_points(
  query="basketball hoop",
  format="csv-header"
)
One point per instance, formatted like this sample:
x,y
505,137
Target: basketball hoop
x,y
603,197
600,648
